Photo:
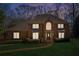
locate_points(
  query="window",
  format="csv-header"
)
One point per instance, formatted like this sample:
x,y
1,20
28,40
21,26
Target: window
x,y
61,35
35,26
48,35
48,26
35,35
16,35
60,25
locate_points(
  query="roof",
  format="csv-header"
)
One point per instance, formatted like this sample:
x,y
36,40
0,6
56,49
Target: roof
x,y
18,27
23,26
43,17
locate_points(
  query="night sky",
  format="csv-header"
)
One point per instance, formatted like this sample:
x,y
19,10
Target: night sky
x,y
13,5
61,10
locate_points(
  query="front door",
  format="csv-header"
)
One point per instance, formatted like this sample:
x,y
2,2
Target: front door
x,y
48,36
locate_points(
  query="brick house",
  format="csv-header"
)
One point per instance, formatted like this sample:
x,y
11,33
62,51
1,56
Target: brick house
x,y
44,28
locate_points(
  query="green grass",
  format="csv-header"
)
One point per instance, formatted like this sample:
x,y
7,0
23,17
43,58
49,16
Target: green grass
x,y
57,49
18,46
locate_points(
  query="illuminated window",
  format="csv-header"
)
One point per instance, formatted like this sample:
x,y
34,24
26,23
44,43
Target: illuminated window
x,y
61,35
35,26
48,35
16,35
60,25
48,26
35,35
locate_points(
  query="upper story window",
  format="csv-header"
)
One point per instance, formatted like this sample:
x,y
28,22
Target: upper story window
x,y
35,26
60,25
48,26
16,35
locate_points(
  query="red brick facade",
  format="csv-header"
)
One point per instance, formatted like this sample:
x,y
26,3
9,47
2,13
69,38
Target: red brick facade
x,y
27,32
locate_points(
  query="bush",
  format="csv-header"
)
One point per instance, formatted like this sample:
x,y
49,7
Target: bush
x,y
24,40
63,40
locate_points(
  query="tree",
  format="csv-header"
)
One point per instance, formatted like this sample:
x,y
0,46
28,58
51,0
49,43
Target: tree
x,y
2,17
76,27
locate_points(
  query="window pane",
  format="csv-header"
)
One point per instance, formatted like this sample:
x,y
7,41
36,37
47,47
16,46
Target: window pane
x,y
48,26
16,35
61,35
36,35
48,34
33,35
35,26
60,25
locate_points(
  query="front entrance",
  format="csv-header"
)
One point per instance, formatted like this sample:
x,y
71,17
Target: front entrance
x,y
48,36
48,32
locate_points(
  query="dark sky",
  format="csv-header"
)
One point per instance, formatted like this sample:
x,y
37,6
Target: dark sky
x,y
32,4
13,5
63,7
51,6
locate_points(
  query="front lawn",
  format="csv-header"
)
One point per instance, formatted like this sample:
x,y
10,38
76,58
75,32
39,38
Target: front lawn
x,y
11,46
57,49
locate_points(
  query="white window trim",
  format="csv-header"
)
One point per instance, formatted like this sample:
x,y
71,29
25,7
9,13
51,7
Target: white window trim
x,y
35,35
61,35
16,35
35,26
60,25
